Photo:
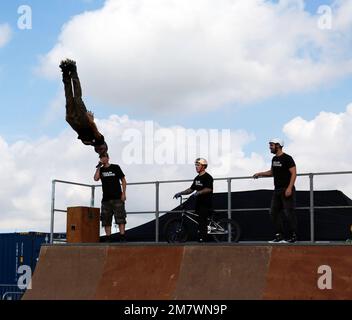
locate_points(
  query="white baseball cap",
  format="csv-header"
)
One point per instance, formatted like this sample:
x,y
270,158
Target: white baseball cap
x,y
277,141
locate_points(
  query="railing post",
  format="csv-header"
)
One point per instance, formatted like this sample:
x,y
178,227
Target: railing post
x,y
311,206
157,211
92,197
229,207
52,211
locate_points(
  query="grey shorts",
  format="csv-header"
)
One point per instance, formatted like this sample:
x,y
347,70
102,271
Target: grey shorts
x,y
111,208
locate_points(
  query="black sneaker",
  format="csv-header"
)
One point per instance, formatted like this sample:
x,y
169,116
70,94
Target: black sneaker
x,y
68,65
64,66
71,65
201,240
278,239
293,238
122,238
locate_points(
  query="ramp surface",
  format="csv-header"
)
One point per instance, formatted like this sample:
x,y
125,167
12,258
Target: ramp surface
x,y
165,272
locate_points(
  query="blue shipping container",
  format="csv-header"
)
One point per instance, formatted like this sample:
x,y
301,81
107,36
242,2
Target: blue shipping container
x,y
16,250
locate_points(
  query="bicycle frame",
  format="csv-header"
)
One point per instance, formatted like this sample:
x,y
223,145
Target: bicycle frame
x,y
219,228
186,213
189,215
211,223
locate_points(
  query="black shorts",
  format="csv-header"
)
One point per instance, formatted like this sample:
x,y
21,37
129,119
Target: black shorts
x,y
111,208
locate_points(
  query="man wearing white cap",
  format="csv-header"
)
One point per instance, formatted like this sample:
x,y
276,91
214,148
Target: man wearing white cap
x,y
283,169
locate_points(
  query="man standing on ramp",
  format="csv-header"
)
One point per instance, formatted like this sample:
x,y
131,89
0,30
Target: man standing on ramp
x,y
203,185
80,119
283,169
113,202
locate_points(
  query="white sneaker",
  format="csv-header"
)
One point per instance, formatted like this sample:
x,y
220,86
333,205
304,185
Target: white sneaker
x,y
278,239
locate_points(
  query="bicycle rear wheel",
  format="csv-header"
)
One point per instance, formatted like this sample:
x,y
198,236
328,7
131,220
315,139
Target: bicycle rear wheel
x,y
224,227
175,230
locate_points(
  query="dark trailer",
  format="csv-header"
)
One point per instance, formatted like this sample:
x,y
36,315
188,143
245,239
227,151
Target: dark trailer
x,y
16,250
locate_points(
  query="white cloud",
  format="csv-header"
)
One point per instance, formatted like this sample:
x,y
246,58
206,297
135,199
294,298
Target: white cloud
x,y
325,137
201,54
5,34
30,166
323,144
342,17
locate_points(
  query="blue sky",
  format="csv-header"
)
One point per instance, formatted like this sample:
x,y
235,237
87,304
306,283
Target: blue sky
x,y
258,68
27,95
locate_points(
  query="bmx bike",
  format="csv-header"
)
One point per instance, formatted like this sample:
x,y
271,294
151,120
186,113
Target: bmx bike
x,y
221,229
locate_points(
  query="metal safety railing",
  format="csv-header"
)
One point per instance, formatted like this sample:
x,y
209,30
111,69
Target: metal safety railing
x,y
229,209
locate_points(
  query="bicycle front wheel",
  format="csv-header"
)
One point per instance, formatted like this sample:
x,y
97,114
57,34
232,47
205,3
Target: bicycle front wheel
x,y
176,231
224,228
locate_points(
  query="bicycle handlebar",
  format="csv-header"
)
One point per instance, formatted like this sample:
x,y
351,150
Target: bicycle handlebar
x,y
183,200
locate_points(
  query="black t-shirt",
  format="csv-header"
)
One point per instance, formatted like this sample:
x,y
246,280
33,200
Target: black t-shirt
x,y
280,167
199,183
110,178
